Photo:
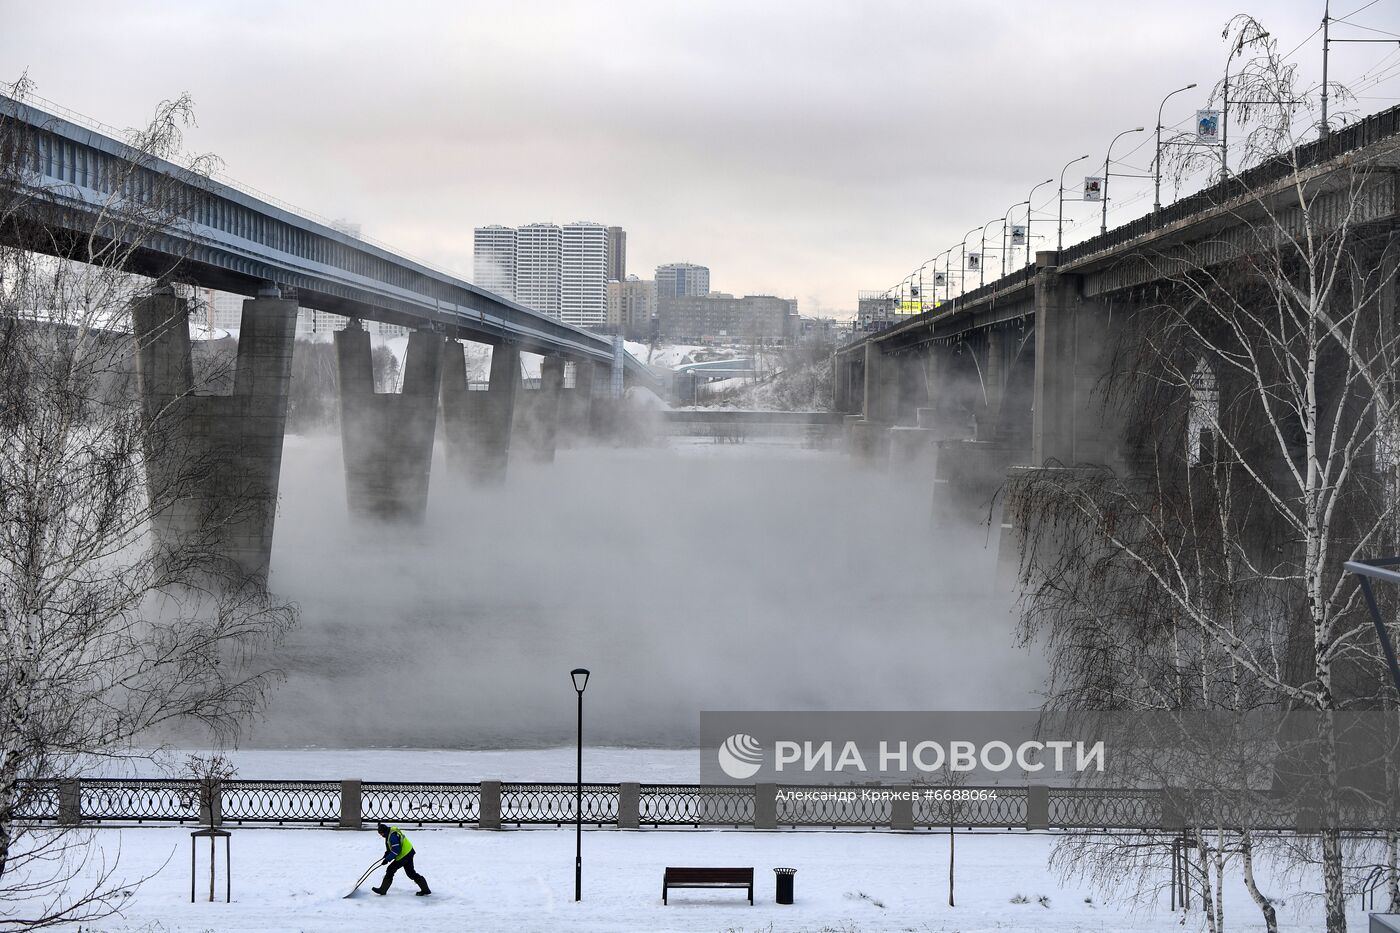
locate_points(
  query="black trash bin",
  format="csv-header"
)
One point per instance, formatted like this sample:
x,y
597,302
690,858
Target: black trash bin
x,y
784,895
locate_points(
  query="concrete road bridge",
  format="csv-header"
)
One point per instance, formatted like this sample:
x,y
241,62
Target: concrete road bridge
x,y
1005,375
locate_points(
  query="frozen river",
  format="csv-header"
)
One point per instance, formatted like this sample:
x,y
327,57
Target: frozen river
x,y
688,577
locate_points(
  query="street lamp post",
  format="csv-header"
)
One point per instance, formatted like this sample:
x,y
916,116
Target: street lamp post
x,y
1060,225
580,678
1005,220
921,283
962,267
982,256
1157,162
1103,195
1030,209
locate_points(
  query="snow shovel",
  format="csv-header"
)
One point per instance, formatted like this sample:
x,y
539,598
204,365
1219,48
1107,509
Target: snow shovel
x,y
368,871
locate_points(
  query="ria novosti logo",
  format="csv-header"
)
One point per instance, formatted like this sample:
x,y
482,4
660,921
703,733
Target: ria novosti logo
x,y
740,756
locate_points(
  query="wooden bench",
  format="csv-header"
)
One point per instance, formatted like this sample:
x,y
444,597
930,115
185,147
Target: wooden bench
x,y
707,878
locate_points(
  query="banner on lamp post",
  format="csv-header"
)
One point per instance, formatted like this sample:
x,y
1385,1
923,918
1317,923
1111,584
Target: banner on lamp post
x,y
1018,235
1208,127
974,260
1093,188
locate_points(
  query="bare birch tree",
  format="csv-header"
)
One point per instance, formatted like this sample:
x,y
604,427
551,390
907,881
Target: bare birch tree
x,y
103,636
1255,387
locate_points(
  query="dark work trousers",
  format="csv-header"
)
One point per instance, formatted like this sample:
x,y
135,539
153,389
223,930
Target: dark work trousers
x,y
406,863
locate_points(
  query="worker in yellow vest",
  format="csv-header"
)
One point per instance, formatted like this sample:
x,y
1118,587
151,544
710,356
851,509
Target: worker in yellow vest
x,y
398,853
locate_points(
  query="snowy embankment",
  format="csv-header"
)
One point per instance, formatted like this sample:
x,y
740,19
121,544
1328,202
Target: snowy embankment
x,y
522,880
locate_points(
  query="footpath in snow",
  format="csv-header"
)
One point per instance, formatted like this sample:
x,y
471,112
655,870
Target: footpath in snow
x,y
522,880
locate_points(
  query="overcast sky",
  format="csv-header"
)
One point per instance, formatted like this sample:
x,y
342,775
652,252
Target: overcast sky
x,y
805,149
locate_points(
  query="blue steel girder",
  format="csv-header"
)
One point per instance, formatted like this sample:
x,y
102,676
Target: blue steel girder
x,y
228,239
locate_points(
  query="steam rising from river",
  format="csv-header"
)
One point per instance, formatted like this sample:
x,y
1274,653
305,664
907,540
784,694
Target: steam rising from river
x,y
700,577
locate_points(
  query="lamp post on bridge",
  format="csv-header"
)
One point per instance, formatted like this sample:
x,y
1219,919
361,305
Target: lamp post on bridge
x,y
579,676
1005,221
948,273
1030,209
1108,157
921,283
1157,162
1060,225
962,271
982,256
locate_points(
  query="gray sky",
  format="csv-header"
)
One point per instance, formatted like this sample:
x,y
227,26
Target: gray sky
x,y
805,149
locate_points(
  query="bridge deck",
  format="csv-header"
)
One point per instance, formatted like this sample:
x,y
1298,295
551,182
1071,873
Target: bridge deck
x,y
1110,257
229,239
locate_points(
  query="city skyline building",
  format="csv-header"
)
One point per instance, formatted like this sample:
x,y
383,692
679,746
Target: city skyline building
x,y
493,259
681,280
561,271
538,268
617,254
724,319
632,307
584,274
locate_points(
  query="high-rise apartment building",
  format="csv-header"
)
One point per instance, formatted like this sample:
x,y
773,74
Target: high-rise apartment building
x,y
681,280
559,271
493,259
617,254
539,268
584,265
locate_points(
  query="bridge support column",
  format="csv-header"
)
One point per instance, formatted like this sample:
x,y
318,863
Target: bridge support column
x,y
869,437
912,386
1073,345
539,417
213,461
477,425
840,390
848,384
881,385
577,407
387,439
993,384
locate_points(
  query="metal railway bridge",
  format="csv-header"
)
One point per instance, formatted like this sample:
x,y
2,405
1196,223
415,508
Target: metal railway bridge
x,y
74,192
230,240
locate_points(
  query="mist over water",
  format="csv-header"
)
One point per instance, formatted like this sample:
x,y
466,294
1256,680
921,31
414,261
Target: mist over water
x,y
686,578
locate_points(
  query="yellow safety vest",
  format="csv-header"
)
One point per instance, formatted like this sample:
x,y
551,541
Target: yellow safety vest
x,y
405,846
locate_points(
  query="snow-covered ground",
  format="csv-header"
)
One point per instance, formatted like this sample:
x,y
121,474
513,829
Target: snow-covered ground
x,y
522,880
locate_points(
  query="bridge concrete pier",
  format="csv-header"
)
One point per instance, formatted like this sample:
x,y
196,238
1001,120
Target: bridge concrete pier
x,y
213,461
1072,347
848,389
537,417
882,384
576,405
994,373
887,381
387,438
477,426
